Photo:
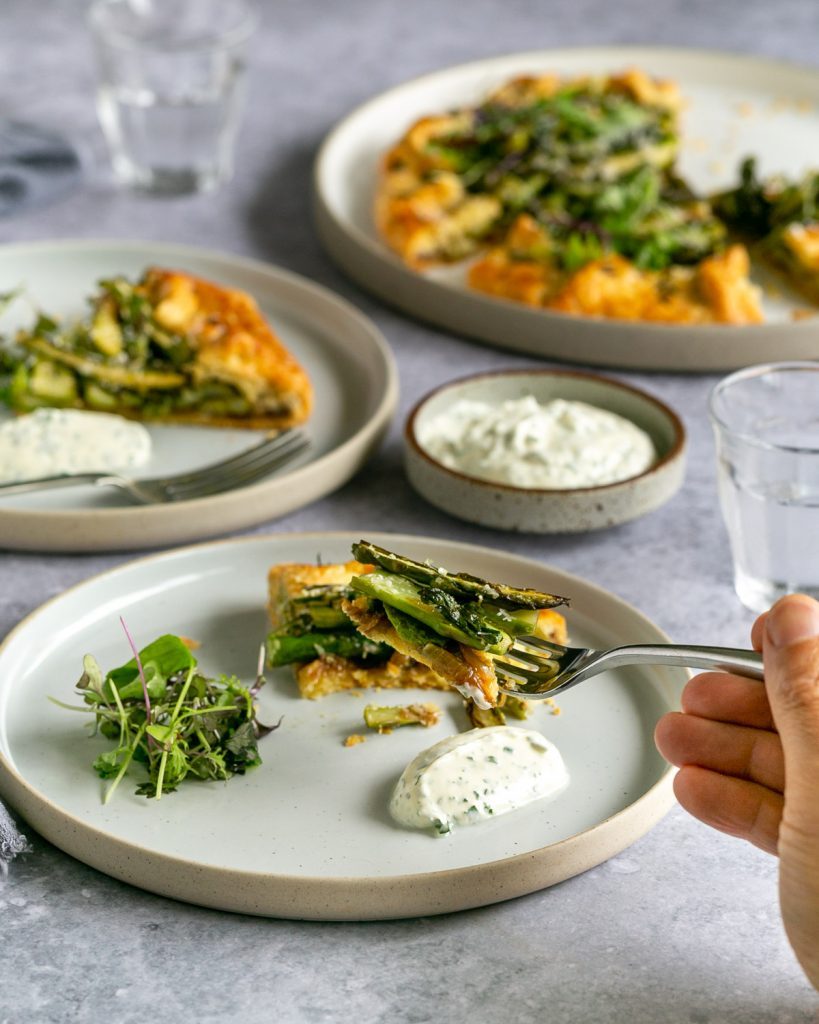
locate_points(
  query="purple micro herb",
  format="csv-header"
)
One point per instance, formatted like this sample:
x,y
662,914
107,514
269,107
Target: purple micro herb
x,y
260,680
260,663
141,676
260,730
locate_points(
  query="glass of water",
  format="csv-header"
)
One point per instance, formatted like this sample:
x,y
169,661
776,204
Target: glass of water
x,y
766,422
170,84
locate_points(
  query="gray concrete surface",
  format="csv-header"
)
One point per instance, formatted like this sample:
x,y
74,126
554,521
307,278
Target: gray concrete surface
x,y
682,928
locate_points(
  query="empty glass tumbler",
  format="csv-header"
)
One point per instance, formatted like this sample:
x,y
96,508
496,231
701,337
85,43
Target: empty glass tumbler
x,y
766,423
170,88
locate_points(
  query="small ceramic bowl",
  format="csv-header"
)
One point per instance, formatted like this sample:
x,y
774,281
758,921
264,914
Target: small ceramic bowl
x,y
537,510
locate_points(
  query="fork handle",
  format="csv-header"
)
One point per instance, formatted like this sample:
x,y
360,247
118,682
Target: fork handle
x,y
47,483
721,659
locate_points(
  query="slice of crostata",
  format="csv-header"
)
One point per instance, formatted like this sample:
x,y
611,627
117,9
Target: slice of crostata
x,y
451,622
171,347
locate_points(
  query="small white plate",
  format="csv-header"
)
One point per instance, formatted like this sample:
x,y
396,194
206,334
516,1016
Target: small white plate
x,y
538,509
347,358
308,834
737,106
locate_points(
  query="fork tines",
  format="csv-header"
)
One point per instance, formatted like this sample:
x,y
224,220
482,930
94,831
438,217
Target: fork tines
x,y
530,660
520,659
270,442
531,671
243,468
538,644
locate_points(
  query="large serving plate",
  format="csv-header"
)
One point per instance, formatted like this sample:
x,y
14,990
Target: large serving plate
x,y
308,834
349,363
737,106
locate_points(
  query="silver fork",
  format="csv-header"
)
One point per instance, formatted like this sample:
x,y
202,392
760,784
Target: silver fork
x,y
535,668
249,465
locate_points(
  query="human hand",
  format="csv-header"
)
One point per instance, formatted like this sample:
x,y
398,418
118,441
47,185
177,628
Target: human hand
x,y
749,760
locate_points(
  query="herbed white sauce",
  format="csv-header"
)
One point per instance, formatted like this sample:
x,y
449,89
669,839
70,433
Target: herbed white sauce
x,y
558,445
477,775
49,442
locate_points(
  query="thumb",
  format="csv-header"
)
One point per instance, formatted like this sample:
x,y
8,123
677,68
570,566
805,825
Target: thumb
x,y
790,649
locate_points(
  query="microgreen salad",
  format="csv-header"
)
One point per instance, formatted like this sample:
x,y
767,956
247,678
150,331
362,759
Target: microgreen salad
x,y
165,715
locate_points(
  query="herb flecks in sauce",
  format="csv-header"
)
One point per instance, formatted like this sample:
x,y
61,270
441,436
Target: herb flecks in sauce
x,y
50,442
556,445
479,774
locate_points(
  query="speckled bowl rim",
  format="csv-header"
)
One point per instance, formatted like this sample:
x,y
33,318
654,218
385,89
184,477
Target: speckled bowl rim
x,y
343,898
677,448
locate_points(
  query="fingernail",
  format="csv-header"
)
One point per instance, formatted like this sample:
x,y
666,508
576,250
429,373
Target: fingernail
x,y
790,621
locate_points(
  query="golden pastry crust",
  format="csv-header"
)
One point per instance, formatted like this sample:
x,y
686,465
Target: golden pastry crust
x,y
289,579
432,219
658,92
717,290
634,82
233,344
333,674
421,207
723,285
714,291
796,256
551,625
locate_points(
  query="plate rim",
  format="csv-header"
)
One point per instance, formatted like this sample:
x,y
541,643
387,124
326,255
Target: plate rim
x,y
392,895
336,233
364,437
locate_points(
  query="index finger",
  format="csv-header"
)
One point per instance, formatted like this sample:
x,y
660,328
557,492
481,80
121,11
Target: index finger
x,y
758,631
726,698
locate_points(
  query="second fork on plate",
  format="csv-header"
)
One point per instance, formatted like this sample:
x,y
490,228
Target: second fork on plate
x,y
252,464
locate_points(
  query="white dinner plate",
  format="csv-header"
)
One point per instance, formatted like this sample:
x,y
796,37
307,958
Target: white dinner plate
x,y
736,106
347,358
307,834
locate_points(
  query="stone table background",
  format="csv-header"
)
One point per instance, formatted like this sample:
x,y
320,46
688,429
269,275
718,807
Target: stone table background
x,y
681,927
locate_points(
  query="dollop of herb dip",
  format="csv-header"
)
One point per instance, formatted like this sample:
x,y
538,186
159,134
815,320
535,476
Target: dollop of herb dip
x,y
49,442
477,775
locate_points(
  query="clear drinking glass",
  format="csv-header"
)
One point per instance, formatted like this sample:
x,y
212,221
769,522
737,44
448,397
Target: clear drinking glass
x,y
766,422
169,91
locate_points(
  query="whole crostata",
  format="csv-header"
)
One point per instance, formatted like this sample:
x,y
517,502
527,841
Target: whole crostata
x,y
564,194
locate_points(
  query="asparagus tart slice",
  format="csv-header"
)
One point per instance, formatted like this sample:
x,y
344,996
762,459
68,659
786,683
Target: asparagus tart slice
x,y
452,622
